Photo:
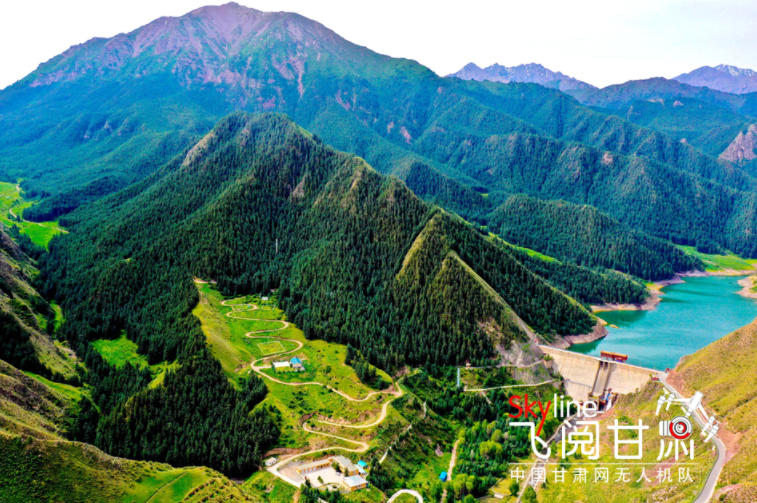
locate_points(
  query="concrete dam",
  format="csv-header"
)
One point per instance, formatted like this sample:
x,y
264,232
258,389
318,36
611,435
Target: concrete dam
x,y
587,376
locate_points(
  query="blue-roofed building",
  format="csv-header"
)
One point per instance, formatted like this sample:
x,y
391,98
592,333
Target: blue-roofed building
x,y
297,364
362,464
443,476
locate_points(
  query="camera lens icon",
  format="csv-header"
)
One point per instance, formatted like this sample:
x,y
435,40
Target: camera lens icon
x,y
681,428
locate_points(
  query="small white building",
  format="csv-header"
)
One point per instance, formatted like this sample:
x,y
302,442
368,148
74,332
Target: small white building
x,y
278,365
270,462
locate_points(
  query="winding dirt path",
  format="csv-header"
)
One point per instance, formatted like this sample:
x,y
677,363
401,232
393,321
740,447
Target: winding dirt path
x,y
399,493
259,370
362,446
509,386
452,462
261,364
247,308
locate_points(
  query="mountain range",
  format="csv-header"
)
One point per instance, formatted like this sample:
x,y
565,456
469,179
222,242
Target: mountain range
x,y
726,78
418,220
532,72
110,111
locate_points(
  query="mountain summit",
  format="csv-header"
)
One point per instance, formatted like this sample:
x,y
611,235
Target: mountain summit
x,y
230,45
110,112
726,78
532,73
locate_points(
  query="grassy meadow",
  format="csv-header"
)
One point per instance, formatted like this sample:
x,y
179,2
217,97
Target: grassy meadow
x,y
119,352
12,203
291,398
628,411
722,263
227,337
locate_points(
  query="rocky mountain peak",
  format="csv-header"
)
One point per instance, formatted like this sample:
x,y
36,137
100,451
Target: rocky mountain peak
x,y
530,72
726,78
735,71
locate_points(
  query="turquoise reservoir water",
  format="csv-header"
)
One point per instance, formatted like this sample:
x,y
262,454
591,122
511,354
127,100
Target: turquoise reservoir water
x,y
690,316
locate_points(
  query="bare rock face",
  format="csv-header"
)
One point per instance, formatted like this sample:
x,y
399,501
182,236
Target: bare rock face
x,y
726,78
532,72
218,45
744,148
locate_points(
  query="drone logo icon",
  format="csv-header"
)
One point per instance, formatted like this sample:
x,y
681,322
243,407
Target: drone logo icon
x,y
679,428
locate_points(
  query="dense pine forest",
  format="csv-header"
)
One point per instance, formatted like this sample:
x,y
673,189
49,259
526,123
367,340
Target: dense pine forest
x,y
356,257
340,236
451,141
229,157
584,236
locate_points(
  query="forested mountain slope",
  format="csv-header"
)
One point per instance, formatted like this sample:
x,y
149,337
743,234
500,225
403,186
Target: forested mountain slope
x,y
26,319
356,257
708,127
584,236
260,204
559,116
111,111
37,463
620,95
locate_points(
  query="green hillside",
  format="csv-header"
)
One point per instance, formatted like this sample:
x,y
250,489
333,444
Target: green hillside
x,y
447,138
354,258
26,319
619,95
12,206
706,126
584,236
341,230
725,373
38,464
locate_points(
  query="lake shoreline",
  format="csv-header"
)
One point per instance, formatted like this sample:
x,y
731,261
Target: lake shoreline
x,y
748,283
565,341
697,311
655,289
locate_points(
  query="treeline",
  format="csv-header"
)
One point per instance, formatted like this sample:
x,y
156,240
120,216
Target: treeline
x,y
462,268
588,286
642,178
584,236
15,346
22,310
488,443
284,211
194,417
367,373
259,204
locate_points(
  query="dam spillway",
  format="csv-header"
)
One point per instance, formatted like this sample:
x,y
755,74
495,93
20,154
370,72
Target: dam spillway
x,y
585,376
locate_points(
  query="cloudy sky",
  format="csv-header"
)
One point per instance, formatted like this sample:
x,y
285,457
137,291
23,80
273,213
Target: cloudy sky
x,y
599,41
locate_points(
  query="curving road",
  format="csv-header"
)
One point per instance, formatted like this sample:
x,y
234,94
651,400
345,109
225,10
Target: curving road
x,y
362,446
712,478
406,491
509,386
452,462
283,461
